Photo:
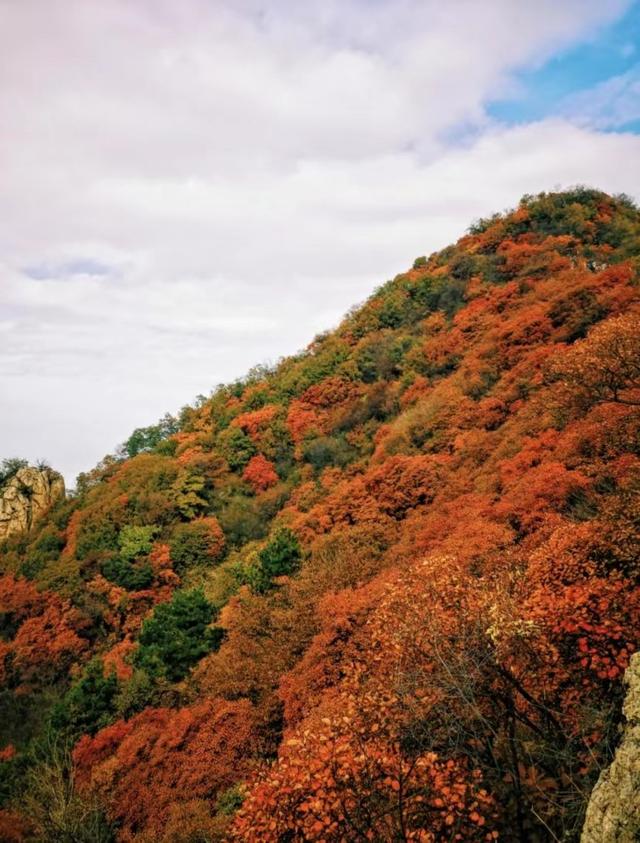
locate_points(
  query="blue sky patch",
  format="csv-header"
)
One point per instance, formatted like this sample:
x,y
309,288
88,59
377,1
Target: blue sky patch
x,y
613,51
69,269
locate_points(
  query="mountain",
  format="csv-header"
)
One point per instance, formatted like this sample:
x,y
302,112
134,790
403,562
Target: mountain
x,y
386,590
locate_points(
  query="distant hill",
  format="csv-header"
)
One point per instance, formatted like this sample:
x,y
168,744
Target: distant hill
x,y
386,590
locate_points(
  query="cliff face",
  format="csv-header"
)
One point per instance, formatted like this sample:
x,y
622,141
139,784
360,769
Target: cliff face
x,y
613,815
28,494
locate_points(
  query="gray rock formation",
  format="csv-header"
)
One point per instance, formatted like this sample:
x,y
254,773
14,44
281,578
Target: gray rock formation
x,y
25,496
613,813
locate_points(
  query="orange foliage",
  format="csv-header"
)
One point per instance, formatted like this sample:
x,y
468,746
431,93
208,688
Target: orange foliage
x,y
260,473
418,388
605,367
402,483
446,661
302,419
215,536
117,659
347,767
45,640
190,754
19,598
596,622
254,422
14,828
48,643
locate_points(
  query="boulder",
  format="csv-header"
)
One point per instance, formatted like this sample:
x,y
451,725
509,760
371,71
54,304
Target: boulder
x,y
613,812
25,496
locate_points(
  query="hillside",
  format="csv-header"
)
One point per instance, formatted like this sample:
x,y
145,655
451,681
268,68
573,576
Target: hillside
x,y
386,590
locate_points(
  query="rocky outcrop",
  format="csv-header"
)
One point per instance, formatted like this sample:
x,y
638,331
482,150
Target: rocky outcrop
x,y
25,496
613,813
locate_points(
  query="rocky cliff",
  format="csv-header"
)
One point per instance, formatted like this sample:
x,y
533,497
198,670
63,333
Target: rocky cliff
x,y
613,815
25,496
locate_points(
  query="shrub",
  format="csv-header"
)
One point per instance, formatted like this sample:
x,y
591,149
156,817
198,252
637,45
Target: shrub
x,y
128,569
260,473
177,635
605,366
380,356
132,577
282,555
327,450
46,549
236,447
89,704
10,467
149,438
187,495
135,541
199,542
243,520
97,538
138,692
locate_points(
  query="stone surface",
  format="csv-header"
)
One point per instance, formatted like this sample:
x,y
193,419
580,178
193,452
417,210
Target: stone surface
x,y
25,496
613,813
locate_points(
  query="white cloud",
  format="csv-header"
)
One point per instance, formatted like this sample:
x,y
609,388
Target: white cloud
x,y
611,104
191,188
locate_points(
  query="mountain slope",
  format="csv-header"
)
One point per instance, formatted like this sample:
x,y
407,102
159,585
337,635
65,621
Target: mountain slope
x,y
386,590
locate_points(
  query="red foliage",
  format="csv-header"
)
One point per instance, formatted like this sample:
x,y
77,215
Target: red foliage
x,y
303,419
215,536
446,662
330,392
402,483
8,752
48,643
14,828
45,640
19,599
117,659
191,753
260,473
595,623
254,422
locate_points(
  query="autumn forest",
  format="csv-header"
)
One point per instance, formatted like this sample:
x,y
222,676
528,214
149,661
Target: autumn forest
x,y
384,590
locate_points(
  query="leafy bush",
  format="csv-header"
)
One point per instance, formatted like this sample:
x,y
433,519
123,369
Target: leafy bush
x,y
149,438
199,542
139,692
230,800
327,450
177,635
89,704
243,520
132,577
96,538
379,357
282,555
135,541
187,495
236,447
10,467
260,473
127,569
46,549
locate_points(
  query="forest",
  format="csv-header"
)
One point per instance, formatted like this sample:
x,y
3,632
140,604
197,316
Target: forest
x,y
384,590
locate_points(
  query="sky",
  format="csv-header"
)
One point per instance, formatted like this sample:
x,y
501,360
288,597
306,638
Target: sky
x,y
191,188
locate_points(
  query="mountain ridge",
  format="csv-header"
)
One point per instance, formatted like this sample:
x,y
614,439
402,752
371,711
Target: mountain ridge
x,y
370,589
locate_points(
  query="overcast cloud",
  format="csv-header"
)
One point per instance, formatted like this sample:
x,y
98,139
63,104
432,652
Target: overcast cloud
x,y
190,188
